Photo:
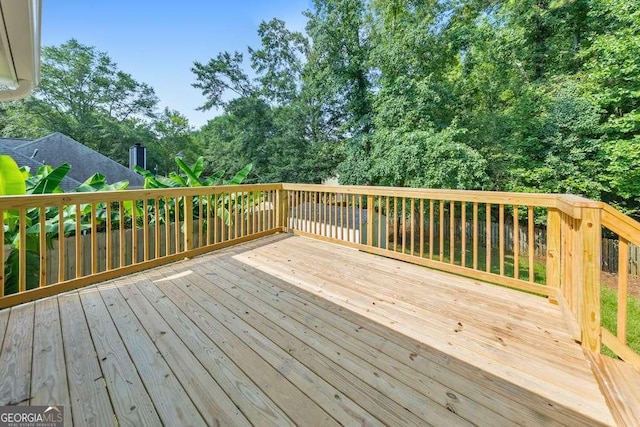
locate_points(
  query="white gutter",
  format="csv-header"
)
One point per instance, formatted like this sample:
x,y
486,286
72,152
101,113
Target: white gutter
x,y
19,47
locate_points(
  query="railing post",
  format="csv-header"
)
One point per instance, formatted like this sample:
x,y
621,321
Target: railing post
x,y
282,213
188,223
590,237
554,241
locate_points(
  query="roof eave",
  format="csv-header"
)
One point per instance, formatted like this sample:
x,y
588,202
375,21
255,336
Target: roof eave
x,y
19,47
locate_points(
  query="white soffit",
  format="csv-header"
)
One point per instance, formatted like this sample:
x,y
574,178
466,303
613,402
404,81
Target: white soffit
x,y
19,47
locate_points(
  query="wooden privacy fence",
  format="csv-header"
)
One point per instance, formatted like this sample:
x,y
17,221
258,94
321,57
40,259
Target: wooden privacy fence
x,y
489,236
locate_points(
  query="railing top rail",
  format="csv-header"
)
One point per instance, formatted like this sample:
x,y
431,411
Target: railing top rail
x,y
34,200
567,203
621,224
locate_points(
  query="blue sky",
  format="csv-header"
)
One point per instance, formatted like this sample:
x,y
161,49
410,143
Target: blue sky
x,y
158,41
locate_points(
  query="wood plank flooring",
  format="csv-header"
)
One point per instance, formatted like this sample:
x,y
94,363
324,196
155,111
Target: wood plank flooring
x,y
286,330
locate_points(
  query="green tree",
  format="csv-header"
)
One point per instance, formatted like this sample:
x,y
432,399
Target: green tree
x,y
83,94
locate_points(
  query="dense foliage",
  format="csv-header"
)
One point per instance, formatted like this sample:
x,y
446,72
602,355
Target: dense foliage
x,y
512,95
516,95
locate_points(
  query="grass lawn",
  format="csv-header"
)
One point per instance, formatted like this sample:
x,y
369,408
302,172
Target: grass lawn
x,y
609,314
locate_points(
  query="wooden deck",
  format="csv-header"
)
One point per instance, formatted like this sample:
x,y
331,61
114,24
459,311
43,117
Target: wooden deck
x,y
289,330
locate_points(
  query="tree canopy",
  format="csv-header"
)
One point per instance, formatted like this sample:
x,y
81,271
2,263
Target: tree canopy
x,y
517,95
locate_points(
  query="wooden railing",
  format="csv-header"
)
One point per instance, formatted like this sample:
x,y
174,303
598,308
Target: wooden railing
x,y
628,232
440,229
92,237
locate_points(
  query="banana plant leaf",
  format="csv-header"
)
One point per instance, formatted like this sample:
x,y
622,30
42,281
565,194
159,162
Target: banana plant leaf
x,y
47,180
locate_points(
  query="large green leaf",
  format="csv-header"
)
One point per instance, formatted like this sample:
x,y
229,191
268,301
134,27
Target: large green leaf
x,y
240,176
198,166
11,179
192,178
49,180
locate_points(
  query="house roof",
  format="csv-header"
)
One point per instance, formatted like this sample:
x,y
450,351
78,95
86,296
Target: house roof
x,y
57,148
67,183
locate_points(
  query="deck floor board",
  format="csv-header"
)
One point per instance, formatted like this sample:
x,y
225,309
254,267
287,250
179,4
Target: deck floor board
x,y
287,330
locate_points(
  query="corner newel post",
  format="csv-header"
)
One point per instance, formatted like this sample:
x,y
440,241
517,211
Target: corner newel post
x,y
590,235
282,213
188,223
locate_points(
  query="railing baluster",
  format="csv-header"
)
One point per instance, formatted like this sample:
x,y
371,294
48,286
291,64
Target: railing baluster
x,y
78,242
395,223
386,225
431,228
43,247
62,247
145,230
134,231
379,221
348,221
488,238
475,235
122,236
463,234
623,280
441,240
413,228
167,227
156,228
94,239
209,223
452,232
501,236
421,227
516,243
404,224
22,255
530,219
360,216
176,214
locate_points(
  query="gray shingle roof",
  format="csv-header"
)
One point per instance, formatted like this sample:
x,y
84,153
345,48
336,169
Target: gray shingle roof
x,y
67,183
57,148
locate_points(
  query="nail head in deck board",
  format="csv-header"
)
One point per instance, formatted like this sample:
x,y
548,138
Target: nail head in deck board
x,y
171,401
300,408
204,391
15,359
87,390
49,384
251,400
130,400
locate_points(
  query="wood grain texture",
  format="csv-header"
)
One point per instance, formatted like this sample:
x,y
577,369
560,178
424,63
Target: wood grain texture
x,y
620,383
169,397
87,389
15,356
131,403
49,384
